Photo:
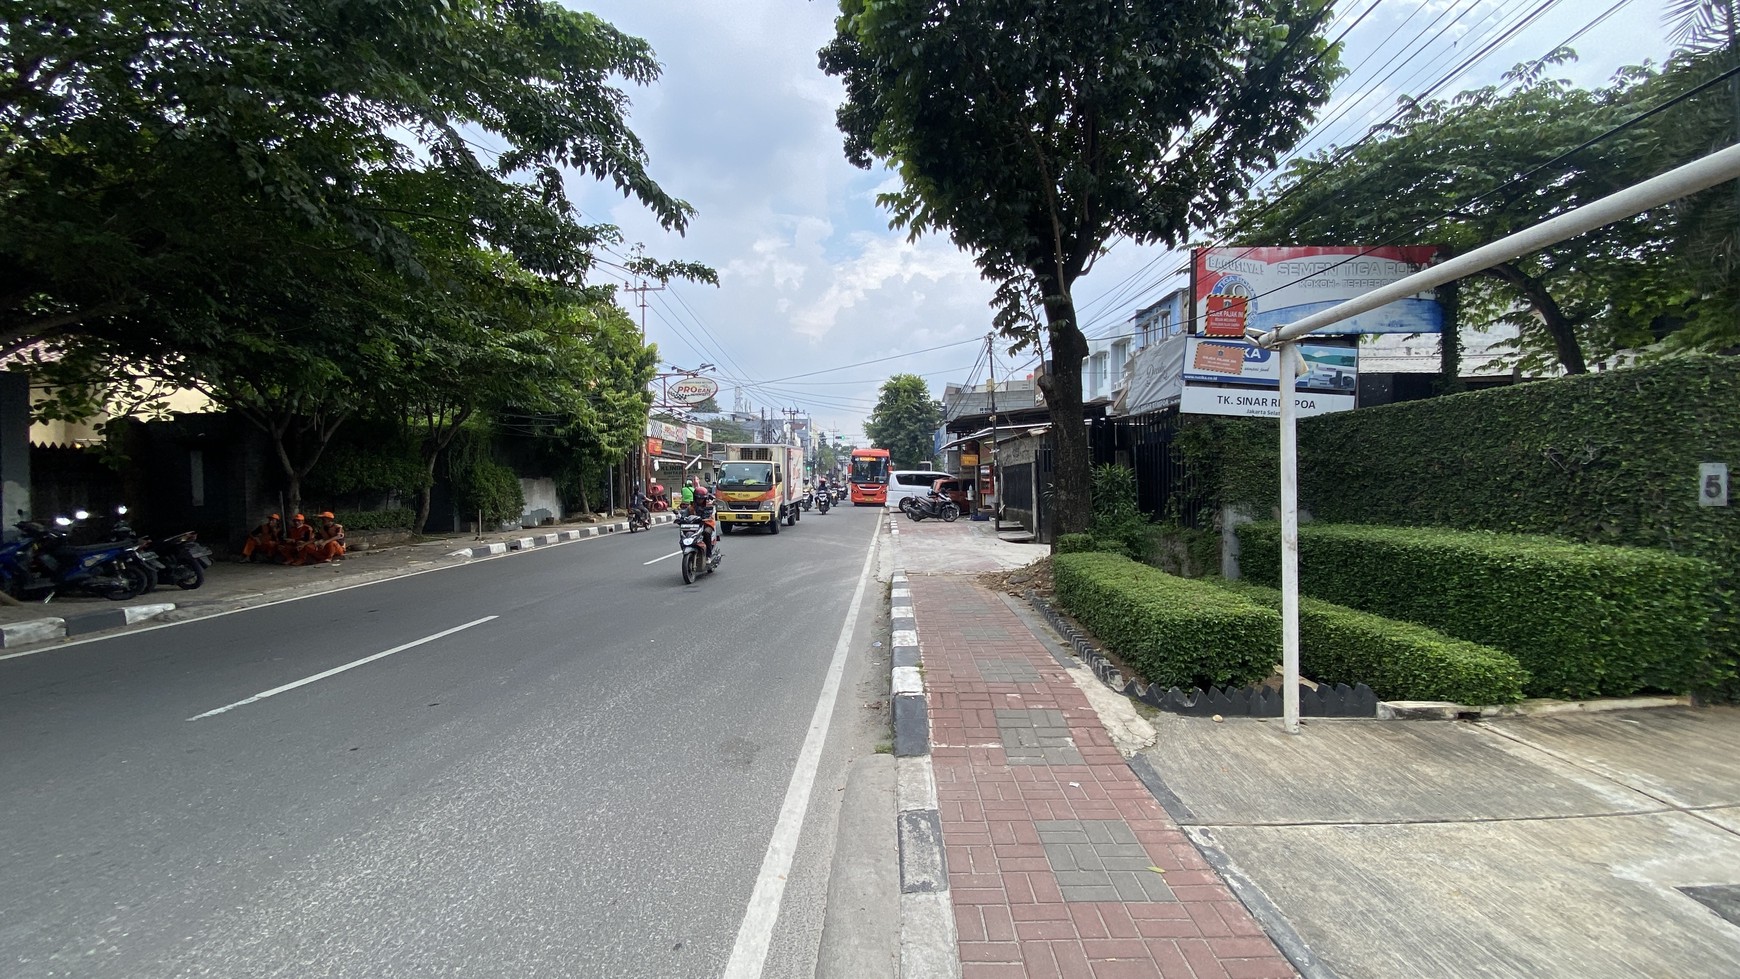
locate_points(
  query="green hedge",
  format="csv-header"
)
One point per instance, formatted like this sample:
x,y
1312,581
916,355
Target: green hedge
x,y
1585,620
1607,458
392,518
1084,543
1398,660
1173,631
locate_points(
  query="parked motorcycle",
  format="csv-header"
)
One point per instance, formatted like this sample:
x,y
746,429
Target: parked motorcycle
x,y
694,559
940,507
121,533
185,560
48,563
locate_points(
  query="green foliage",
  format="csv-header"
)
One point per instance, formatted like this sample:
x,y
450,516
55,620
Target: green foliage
x,y
1081,543
482,484
1118,516
1174,631
1188,552
1071,125
1585,620
392,518
1608,458
1398,660
905,421
160,155
383,463
1447,172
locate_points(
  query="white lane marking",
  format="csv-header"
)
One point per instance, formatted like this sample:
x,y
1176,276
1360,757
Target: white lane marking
x,y
658,559
445,566
749,954
262,695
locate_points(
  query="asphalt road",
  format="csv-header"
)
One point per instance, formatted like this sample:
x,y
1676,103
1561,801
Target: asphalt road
x,y
584,779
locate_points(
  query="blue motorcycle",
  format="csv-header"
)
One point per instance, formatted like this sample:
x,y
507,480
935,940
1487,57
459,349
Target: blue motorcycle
x,y
43,562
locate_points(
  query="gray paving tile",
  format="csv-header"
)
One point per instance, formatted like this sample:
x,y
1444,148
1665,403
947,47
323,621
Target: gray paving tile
x,y
1100,860
1036,737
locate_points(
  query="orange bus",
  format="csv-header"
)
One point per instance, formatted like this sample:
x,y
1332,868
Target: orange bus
x,y
869,477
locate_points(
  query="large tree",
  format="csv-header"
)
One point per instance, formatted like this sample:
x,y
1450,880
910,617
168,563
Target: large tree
x,y
144,143
1035,134
905,422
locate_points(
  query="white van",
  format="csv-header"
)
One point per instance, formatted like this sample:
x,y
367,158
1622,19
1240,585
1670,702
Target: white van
x,y
903,483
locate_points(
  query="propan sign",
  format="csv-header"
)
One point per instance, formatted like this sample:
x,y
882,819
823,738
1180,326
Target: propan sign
x,y
693,390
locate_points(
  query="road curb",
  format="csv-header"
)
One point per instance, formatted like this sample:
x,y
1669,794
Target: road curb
x,y
545,540
31,631
927,920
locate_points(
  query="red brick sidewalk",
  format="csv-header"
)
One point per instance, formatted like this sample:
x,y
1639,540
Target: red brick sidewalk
x,y
1052,841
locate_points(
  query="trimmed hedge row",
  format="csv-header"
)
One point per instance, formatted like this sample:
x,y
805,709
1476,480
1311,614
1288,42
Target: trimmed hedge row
x,y
1584,620
1608,457
1086,543
1175,631
392,518
1398,660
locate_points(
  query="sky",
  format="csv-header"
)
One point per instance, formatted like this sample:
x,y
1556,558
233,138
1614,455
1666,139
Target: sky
x,y
819,302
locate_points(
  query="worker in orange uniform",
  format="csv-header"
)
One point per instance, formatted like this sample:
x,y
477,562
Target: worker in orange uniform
x,y
298,541
266,540
328,540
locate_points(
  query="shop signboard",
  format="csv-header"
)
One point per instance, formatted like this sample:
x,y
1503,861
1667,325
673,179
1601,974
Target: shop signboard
x,y
1272,287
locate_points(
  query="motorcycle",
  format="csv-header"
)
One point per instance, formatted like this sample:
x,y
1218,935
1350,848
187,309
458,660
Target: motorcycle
x,y
639,519
694,560
185,560
809,499
120,533
940,507
49,563
824,500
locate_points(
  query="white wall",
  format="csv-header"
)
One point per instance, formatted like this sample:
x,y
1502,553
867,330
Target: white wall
x,y
540,494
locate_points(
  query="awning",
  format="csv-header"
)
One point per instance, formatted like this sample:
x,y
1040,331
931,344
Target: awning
x,y
963,440
1004,433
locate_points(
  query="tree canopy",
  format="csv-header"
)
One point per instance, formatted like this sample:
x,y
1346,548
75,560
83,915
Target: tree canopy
x,y
153,151
1464,171
322,210
1035,134
905,421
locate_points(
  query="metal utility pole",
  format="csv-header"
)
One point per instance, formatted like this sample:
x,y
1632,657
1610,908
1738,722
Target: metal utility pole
x,y
638,462
1700,174
996,470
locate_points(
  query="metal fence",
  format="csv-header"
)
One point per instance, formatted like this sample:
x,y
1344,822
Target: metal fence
x,y
1165,488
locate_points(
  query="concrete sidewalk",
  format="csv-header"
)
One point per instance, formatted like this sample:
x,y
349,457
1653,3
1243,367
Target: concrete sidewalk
x,y
1589,845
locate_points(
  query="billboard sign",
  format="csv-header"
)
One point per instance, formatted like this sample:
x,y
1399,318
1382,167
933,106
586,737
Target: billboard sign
x,y
1278,286
693,390
1235,377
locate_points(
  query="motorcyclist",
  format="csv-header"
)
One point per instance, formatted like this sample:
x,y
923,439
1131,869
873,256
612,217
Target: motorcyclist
x,y
637,504
703,506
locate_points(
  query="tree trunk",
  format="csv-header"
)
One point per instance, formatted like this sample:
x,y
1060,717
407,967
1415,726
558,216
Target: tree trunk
x,y
293,489
1450,338
435,441
423,496
1558,326
1071,478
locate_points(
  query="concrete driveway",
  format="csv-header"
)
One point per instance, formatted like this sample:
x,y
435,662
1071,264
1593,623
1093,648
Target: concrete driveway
x,y
1581,845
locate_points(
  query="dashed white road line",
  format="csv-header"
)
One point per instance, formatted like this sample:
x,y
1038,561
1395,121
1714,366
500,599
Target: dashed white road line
x,y
262,695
